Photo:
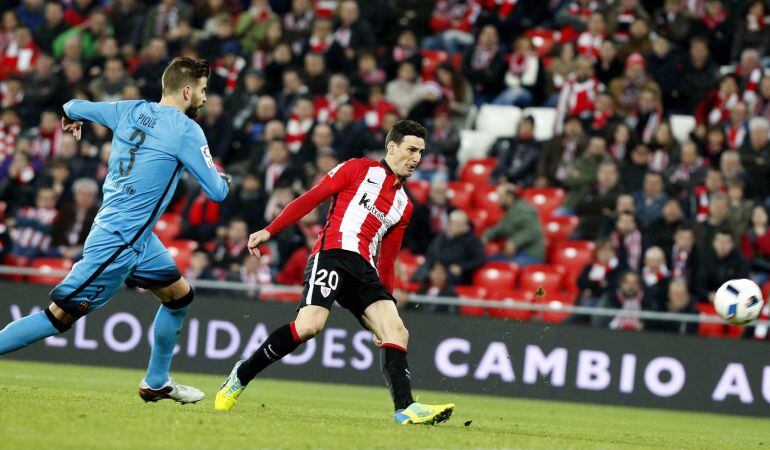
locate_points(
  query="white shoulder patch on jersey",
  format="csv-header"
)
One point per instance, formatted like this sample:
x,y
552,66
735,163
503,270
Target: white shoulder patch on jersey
x,y
207,156
335,169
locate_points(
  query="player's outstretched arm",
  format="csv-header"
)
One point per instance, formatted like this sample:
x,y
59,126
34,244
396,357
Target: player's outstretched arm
x,y
196,158
103,113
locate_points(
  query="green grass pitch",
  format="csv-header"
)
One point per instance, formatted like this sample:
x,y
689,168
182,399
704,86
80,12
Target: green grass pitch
x,y
45,406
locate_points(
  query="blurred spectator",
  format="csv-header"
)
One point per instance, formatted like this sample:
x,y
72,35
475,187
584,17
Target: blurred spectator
x,y
200,269
405,49
247,201
517,156
716,25
350,135
314,73
163,18
404,91
590,41
655,276
688,173
200,217
721,262
230,248
622,17
626,88
354,34
595,205
279,170
638,42
647,116
217,128
739,217
608,65
661,232
299,124
338,94
127,17
52,26
717,220
628,298
583,173
457,249
701,195
252,24
519,229
597,278
483,65
665,149
635,168
714,145
562,65
109,86
322,42
297,22
452,22
620,140
679,301
560,153
696,75
578,94
42,84
762,105
755,245
20,55
715,107
73,223
31,227
672,22
437,284
752,31
429,220
627,241
650,200
252,271
439,161
149,72
525,78
755,157
293,272
684,255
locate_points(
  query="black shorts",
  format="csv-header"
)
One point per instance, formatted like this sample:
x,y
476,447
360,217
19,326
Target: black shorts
x,y
345,277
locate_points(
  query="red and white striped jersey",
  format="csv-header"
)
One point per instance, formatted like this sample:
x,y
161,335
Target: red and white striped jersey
x,y
368,214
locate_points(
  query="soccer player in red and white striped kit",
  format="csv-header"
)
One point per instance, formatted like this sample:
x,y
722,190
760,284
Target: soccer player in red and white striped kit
x,y
353,263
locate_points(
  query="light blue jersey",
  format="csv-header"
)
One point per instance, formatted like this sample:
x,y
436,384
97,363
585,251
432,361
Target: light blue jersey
x,y
151,144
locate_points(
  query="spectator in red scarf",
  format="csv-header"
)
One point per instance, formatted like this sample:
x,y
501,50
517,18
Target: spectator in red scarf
x,y
598,277
715,107
647,115
406,49
576,14
231,248
622,16
737,126
577,97
722,262
452,23
299,124
19,55
73,223
322,42
688,173
525,78
753,30
713,24
713,185
628,298
755,245
717,219
655,276
672,22
32,225
438,284
627,241
626,89
354,34
762,105
483,65
749,72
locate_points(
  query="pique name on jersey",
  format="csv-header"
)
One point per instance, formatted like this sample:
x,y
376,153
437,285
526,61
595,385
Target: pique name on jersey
x,y
147,121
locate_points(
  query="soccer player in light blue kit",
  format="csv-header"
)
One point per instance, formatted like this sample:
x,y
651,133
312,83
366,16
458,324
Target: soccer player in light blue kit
x,y
152,143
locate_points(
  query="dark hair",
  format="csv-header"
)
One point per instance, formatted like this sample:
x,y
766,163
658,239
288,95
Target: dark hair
x,y
182,71
724,230
404,128
685,227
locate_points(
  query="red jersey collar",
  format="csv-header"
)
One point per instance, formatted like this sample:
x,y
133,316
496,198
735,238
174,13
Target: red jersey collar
x,y
399,180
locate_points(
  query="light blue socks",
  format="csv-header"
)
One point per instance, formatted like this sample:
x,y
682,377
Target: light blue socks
x,y
166,329
25,331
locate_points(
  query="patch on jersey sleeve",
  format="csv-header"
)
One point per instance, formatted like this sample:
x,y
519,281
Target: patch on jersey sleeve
x,y
207,156
335,169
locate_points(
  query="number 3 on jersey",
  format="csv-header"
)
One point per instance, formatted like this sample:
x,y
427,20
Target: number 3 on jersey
x,y
132,151
327,286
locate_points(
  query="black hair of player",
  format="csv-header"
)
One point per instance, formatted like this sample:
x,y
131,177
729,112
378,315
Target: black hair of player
x,y
183,71
404,128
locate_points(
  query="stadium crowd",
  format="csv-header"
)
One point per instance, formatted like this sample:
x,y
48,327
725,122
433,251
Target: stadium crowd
x,y
299,86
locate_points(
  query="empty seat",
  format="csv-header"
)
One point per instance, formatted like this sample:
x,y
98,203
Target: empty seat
x,y
543,276
487,198
498,120
46,266
419,190
474,145
573,256
473,293
558,229
181,252
460,194
545,200
555,303
503,296
478,171
168,227
710,329
545,121
681,126
496,275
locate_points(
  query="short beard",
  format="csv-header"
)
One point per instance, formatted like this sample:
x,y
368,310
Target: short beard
x,y
192,111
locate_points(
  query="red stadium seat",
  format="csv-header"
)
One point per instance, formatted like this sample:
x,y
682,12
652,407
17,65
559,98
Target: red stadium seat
x,y
543,276
504,295
181,253
168,227
46,265
486,198
573,255
480,220
493,248
496,275
709,329
431,59
555,302
545,200
419,190
15,261
542,40
410,263
473,293
558,229
478,171
460,194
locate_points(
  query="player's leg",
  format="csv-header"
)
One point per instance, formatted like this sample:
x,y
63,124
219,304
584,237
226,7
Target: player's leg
x,y
88,286
157,271
317,297
381,317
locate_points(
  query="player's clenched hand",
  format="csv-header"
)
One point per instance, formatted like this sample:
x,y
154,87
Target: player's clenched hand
x,y
257,239
72,126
